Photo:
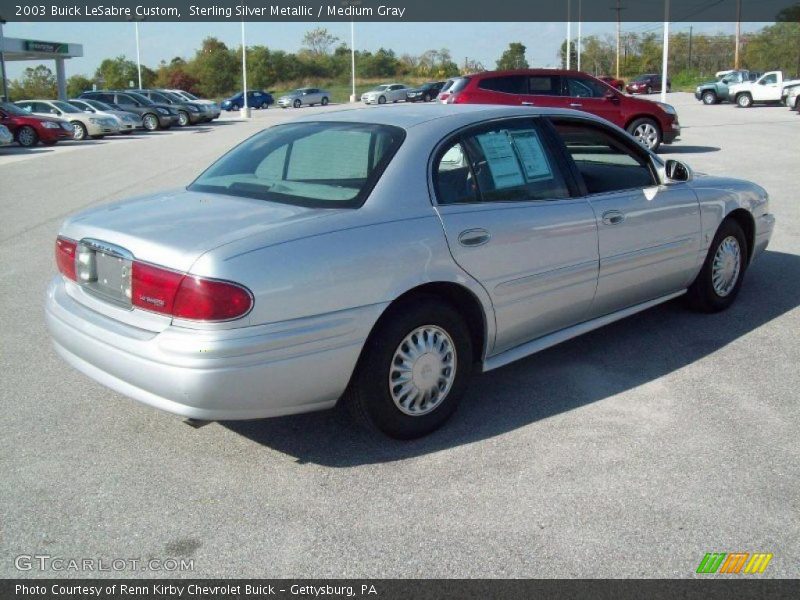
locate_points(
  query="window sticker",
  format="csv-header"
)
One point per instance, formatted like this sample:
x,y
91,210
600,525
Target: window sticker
x,y
531,154
503,164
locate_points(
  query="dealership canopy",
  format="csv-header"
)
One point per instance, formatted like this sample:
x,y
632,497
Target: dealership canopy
x,y
20,49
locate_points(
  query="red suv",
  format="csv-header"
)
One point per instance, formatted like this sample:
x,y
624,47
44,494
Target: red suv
x,y
28,130
651,123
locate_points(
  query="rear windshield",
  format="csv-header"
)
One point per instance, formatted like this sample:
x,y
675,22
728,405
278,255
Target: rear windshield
x,y
319,165
458,85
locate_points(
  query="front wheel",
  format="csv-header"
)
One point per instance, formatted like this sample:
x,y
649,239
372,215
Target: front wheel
x,y
744,100
325,101
709,98
720,279
297,103
150,122
649,90
647,133
27,136
235,107
382,100
413,369
183,118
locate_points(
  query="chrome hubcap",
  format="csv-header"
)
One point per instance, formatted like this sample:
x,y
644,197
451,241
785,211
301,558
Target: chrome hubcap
x,y
646,134
150,122
77,131
184,119
726,266
422,371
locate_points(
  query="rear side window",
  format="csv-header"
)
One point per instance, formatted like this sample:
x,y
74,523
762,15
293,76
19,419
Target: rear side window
x,y
507,84
544,85
606,162
503,163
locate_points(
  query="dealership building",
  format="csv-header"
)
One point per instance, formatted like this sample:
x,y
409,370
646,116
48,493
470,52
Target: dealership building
x,y
14,49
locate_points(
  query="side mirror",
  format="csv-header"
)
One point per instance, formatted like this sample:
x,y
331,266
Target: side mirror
x,y
677,171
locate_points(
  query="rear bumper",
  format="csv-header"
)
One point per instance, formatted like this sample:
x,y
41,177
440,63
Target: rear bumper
x,y
246,373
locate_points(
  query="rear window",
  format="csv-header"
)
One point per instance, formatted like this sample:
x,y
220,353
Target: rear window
x,y
458,85
319,165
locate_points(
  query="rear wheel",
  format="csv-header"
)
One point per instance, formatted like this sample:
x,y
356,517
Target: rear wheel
x,y
649,90
78,131
709,97
27,136
234,107
647,133
413,369
744,100
325,101
720,279
183,118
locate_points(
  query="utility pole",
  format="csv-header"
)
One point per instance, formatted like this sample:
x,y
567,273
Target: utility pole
x,y
738,33
690,47
3,61
665,58
619,10
569,33
579,34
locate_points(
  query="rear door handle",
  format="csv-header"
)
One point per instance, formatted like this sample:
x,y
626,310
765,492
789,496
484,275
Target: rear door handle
x,y
474,237
613,217
576,105
526,103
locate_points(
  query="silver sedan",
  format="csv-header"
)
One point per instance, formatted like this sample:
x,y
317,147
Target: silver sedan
x,y
381,257
304,97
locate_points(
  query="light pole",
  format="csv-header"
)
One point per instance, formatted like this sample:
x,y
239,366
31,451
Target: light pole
x,y
569,33
245,109
3,61
665,58
138,53
579,34
353,58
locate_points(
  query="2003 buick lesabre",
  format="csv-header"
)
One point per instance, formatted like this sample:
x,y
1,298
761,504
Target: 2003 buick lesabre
x,y
382,256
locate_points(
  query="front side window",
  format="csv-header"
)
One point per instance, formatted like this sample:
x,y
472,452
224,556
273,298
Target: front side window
x,y
319,165
769,79
65,107
606,163
577,87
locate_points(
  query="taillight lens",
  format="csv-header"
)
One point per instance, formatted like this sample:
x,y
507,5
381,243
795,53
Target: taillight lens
x,y
65,257
187,296
209,300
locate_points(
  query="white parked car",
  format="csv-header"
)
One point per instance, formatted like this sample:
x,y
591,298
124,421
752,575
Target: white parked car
x,y
388,92
128,122
767,89
791,97
83,124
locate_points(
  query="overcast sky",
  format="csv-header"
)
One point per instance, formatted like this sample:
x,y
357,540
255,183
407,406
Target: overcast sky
x,y
479,41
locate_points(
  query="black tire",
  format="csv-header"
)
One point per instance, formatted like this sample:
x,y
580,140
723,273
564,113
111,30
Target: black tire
x,y
297,103
324,101
649,90
234,107
709,98
744,100
426,98
368,395
27,136
653,139
703,295
79,132
382,100
183,118
98,137
150,121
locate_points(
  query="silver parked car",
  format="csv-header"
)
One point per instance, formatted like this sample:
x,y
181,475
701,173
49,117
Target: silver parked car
x,y
390,92
304,97
382,256
6,137
83,125
128,122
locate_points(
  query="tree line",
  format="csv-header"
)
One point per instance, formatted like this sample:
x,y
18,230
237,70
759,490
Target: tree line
x,y
215,69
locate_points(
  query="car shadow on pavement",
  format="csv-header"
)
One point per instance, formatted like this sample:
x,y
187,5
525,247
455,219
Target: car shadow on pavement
x,y
587,369
687,149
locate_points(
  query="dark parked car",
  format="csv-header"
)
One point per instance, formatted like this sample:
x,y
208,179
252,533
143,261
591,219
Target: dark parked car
x,y
189,113
714,92
647,84
28,130
255,99
154,116
651,123
426,92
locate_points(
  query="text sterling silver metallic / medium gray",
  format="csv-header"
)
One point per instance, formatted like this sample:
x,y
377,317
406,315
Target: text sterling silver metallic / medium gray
x,y
380,256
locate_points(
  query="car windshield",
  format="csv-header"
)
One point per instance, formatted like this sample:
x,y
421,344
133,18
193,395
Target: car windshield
x,y
13,109
641,78
188,95
98,105
318,165
65,107
139,98
381,88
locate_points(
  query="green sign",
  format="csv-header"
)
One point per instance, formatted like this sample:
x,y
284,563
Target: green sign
x,y
49,47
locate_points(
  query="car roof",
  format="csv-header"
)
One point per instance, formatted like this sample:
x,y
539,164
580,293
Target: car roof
x,y
412,115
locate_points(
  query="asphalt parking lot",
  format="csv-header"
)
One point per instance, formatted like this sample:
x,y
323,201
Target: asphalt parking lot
x,y
628,452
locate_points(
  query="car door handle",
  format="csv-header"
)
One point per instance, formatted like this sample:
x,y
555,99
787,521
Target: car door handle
x,y
613,217
576,105
526,103
474,237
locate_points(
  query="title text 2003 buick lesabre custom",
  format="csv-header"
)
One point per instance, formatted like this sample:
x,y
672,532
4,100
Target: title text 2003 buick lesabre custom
x,y
381,256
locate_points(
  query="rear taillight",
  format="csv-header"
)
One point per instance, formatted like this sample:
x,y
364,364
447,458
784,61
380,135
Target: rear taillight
x,y
187,296
65,257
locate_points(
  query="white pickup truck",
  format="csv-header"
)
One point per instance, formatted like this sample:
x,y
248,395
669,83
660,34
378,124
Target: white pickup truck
x,y
768,89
